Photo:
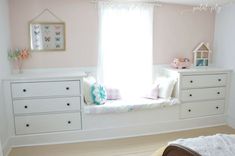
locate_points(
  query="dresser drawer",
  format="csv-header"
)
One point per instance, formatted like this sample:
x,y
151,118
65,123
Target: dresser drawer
x,y
203,94
46,105
47,123
198,109
46,89
197,81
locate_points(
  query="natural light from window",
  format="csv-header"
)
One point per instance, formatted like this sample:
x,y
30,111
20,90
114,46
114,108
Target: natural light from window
x,y
125,48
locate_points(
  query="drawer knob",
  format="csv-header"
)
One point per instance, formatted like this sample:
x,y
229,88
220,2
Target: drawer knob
x,y
67,88
68,104
218,93
219,80
190,95
69,122
217,107
24,90
27,125
25,107
189,110
191,81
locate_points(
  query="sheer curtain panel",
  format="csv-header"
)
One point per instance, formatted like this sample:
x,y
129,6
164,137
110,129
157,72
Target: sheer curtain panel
x,y
125,46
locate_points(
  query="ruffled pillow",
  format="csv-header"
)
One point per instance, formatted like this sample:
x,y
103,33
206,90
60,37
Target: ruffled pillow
x,y
98,93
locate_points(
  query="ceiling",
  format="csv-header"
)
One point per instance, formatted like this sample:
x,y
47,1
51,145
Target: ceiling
x,y
198,2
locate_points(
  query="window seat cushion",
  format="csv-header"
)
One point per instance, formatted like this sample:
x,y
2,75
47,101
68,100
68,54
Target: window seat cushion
x,y
120,106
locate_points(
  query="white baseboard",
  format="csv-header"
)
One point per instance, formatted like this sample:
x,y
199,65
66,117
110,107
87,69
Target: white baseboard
x,y
112,133
6,148
231,121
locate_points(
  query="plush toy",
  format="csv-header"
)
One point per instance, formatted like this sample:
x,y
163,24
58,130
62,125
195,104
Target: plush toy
x,y
181,63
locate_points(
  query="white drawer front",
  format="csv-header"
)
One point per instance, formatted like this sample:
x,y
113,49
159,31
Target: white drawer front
x,y
203,94
46,105
45,89
47,123
197,81
197,109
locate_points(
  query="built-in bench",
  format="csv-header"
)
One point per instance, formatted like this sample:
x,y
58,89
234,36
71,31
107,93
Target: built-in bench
x,y
121,106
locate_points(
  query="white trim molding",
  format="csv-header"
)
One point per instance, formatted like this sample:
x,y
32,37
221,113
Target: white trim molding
x,y
231,121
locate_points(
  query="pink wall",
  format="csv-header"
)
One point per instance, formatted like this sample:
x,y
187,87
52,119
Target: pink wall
x,y
175,34
178,31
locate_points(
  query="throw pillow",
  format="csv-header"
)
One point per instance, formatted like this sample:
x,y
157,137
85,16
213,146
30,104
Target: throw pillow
x,y
166,86
113,94
87,83
152,92
99,95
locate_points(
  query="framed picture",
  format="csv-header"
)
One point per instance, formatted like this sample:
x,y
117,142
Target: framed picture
x,y
47,36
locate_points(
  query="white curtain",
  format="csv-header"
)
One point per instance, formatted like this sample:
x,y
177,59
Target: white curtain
x,y
125,48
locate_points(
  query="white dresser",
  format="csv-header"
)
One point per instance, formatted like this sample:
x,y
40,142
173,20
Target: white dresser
x,y
46,103
202,91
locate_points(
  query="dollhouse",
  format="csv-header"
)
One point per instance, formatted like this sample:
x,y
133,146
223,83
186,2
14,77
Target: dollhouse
x,y
202,54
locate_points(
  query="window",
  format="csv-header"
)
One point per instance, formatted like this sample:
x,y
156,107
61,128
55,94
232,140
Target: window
x,y
125,48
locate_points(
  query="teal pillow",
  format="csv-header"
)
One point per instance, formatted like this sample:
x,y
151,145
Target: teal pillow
x,y
98,93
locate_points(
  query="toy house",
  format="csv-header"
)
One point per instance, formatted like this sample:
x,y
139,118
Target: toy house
x,y
202,54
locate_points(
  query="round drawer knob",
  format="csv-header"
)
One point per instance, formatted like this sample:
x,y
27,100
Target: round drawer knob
x,y
25,107
27,125
218,93
24,90
219,80
67,88
189,110
68,104
191,81
69,122
217,107
190,95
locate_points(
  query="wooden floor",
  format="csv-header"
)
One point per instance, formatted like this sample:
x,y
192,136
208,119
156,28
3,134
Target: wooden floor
x,y
137,146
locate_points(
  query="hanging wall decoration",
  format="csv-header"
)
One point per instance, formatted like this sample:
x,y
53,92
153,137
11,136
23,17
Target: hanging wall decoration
x,y
47,36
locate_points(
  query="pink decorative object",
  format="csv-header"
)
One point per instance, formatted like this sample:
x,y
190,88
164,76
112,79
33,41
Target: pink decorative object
x,y
113,94
181,63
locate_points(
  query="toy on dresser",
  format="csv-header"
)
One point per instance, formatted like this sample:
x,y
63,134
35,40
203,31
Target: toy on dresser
x,y
181,63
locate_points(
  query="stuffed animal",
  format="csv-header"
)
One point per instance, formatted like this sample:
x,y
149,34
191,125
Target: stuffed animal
x,y
181,63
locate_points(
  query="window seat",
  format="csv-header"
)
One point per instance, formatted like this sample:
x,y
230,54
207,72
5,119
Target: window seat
x,y
120,106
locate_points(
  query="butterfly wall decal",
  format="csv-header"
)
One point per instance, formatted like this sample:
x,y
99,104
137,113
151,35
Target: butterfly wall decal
x,y
36,46
36,26
47,39
57,38
36,32
57,33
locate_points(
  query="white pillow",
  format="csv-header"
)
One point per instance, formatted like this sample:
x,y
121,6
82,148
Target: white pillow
x,y
152,92
87,83
166,86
